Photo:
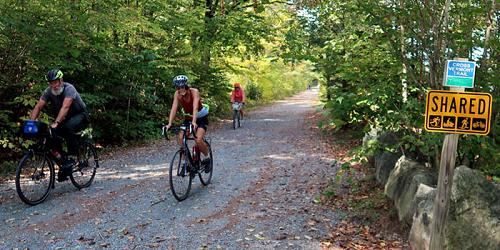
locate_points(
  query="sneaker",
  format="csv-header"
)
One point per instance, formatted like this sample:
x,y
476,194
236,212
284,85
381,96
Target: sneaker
x,y
61,176
67,166
206,165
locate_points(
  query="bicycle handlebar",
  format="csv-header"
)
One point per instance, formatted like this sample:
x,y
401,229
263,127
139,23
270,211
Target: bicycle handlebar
x,y
174,129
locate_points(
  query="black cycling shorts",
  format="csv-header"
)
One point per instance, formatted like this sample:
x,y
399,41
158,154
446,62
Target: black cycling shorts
x,y
202,122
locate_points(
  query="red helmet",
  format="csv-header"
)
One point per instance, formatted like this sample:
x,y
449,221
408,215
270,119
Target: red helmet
x,y
237,85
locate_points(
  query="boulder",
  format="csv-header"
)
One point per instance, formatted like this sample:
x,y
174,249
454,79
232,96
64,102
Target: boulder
x,y
403,183
388,139
371,135
384,163
382,160
420,229
474,215
369,140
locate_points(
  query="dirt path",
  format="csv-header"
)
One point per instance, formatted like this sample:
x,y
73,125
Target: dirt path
x,y
266,176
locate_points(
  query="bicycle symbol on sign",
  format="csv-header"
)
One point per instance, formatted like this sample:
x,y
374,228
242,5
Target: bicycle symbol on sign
x,y
479,124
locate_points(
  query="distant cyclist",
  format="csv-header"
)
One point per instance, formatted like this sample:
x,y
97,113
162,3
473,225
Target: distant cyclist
x,y
238,95
70,114
189,98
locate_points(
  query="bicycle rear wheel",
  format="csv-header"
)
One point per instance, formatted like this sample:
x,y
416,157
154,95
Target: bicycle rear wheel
x,y
84,172
35,176
179,177
238,115
204,175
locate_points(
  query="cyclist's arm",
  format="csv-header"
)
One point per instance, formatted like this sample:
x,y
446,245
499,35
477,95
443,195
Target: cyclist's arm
x,y
173,110
232,96
36,110
196,102
64,110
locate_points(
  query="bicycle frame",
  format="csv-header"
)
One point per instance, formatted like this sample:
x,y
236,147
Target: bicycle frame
x,y
41,146
188,134
185,138
237,105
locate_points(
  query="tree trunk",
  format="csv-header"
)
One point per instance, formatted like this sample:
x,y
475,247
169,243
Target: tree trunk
x,y
487,35
210,7
439,28
403,53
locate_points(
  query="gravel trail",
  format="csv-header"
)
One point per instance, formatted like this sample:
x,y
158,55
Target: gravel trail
x,y
266,176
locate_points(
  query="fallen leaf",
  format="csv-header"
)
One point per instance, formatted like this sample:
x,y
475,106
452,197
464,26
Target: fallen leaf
x,y
259,237
124,231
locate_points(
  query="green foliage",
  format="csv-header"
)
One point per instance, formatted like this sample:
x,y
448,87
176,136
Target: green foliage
x,y
365,50
122,55
361,52
253,91
270,80
7,167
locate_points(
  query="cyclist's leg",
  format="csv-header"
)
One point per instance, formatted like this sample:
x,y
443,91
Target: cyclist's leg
x,y
179,139
72,126
200,134
179,136
56,140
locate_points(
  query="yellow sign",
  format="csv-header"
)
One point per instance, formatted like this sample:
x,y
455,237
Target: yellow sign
x,y
458,112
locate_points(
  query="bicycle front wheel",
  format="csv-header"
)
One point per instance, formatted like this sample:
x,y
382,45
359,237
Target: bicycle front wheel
x,y
179,175
84,171
205,173
235,116
35,176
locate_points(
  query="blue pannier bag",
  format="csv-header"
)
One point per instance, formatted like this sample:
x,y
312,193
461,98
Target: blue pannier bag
x,y
30,128
33,128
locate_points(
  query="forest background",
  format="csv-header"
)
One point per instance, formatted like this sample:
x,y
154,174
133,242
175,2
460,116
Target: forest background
x,y
375,60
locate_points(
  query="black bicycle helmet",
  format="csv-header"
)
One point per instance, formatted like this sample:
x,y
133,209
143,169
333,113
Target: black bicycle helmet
x,y
54,74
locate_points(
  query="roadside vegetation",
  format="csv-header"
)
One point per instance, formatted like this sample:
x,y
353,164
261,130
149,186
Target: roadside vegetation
x,y
379,58
123,63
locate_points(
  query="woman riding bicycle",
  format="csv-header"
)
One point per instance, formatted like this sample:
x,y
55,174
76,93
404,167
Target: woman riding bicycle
x,y
238,95
189,98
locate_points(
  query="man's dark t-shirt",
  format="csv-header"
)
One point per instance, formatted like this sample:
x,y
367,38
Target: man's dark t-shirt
x,y
77,106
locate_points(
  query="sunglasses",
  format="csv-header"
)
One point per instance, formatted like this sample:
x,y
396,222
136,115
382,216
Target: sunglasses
x,y
55,82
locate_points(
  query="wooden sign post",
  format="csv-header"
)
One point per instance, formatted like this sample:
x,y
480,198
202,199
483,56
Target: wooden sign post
x,y
458,75
443,195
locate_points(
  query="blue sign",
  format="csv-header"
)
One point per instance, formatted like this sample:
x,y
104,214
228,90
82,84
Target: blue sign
x,y
460,74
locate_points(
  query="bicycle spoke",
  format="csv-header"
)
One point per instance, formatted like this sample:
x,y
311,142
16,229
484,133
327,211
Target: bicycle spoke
x,y
84,172
34,178
179,178
205,174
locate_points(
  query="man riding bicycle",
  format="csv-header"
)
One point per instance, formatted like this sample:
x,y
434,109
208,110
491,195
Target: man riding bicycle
x,y
70,114
238,95
197,114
